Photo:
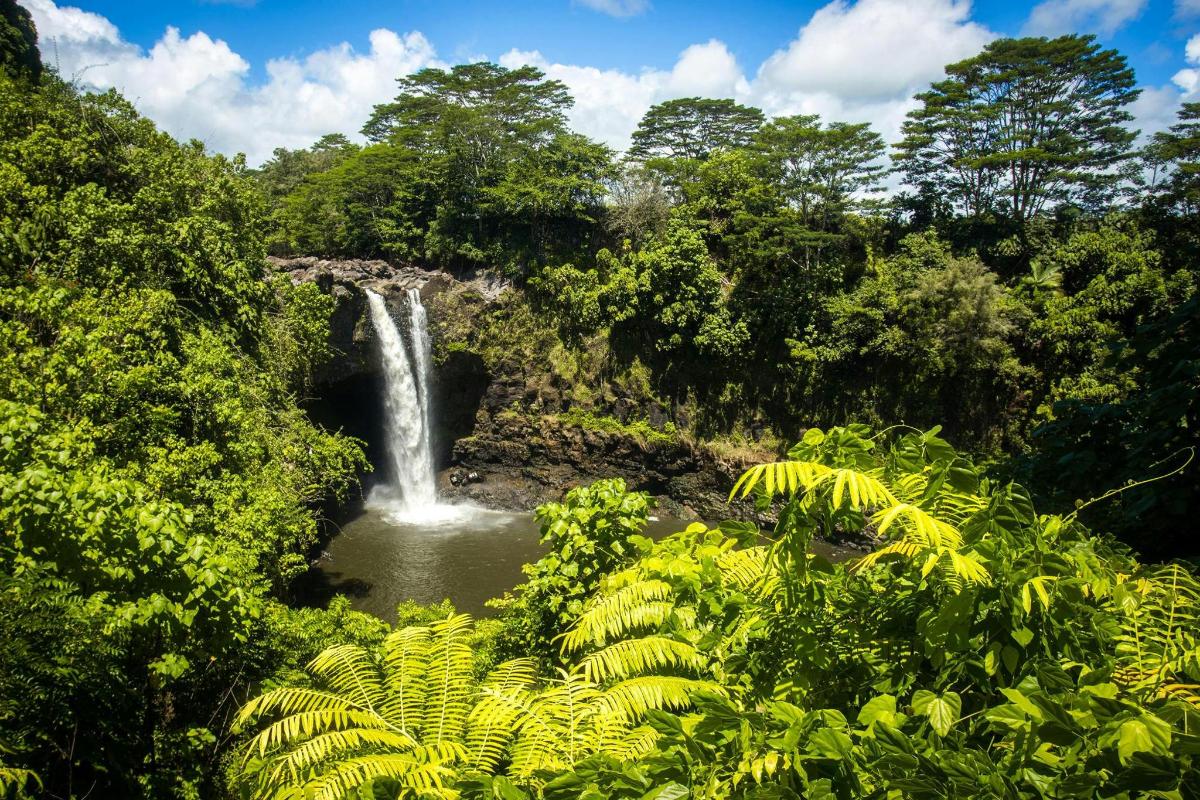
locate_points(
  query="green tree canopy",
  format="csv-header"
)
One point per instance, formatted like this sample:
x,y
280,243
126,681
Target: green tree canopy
x,y
480,107
473,166
693,128
1024,125
822,170
287,169
1178,151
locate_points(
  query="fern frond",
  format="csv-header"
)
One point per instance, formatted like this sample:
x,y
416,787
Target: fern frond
x,y
779,478
638,606
310,723
558,727
335,744
903,548
406,666
413,770
967,566
957,566
786,478
864,490
1158,644
743,568
449,683
630,657
630,699
512,674
910,487
917,524
634,744
494,721
350,671
292,700
956,508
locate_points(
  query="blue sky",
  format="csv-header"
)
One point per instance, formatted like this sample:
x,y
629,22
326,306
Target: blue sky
x,y
574,32
250,76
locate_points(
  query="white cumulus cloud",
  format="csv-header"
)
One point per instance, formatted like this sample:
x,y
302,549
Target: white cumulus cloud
x,y
859,62
1105,17
197,87
862,62
1188,80
609,103
873,49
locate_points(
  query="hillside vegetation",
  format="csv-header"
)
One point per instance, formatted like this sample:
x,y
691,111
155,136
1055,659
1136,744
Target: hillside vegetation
x,y
1019,628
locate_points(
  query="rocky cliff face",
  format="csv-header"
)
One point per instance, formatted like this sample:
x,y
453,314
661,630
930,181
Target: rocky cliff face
x,y
523,461
499,437
350,332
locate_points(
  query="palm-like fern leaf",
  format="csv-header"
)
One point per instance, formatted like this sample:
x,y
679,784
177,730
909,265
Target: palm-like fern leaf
x,y
349,671
1159,646
786,478
921,533
415,770
630,699
292,700
630,657
303,725
558,727
495,719
638,606
406,663
743,568
449,684
779,478
334,745
401,720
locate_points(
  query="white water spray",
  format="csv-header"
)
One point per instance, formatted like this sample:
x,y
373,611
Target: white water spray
x,y
410,491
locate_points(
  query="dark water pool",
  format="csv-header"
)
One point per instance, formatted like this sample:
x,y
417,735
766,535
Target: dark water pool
x,y
379,561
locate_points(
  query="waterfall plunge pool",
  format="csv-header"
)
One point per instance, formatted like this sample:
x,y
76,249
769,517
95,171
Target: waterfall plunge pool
x,y
468,555
380,559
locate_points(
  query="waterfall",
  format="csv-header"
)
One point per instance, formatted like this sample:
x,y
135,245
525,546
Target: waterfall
x,y
410,490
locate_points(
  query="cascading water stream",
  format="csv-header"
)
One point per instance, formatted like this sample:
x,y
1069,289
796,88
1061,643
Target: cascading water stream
x,y
410,491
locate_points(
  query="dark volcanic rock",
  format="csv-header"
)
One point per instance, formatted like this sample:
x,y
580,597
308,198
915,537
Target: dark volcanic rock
x,y
526,461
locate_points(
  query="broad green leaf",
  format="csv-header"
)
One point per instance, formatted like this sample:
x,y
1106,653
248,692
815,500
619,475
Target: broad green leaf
x,y
1145,734
882,708
943,711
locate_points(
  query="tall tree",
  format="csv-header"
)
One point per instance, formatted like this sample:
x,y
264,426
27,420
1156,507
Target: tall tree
x,y
821,170
1026,124
472,166
481,106
1177,152
694,128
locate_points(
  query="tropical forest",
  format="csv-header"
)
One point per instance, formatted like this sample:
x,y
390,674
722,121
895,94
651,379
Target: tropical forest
x,y
469,456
